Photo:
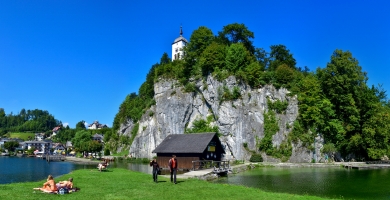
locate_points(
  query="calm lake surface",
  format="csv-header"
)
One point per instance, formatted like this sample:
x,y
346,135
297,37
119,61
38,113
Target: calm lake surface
x,y
324,182
14,169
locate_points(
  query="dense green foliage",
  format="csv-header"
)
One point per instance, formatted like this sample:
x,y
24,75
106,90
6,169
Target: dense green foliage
x,y
256,158
11,145
334,102
202,126
224,93
278,106
270,128
27,121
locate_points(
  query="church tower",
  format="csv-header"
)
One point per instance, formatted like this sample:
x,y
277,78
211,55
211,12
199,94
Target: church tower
x,y
178,45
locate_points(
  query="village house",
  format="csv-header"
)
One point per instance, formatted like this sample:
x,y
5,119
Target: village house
x,y
39,136
58,148
69,148
43,146
3,141
97,125
98,137
189,148
55,130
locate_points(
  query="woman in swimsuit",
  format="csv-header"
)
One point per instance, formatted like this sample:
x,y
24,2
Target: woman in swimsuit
x,y
49,185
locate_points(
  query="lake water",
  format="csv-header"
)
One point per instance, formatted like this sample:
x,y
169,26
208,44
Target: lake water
x,y
324,182
16,169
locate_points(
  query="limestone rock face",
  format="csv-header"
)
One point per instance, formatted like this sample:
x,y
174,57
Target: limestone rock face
x,y
239,121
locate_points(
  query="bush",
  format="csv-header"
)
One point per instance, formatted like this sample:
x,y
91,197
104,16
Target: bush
x,y
256,158
224,94
328,148
278,106
106,152
190,87
201,125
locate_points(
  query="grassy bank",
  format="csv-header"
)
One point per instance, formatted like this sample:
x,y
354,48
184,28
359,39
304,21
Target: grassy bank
x,y
24,136
125,184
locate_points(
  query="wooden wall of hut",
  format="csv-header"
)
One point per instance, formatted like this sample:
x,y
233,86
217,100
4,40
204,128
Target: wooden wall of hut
x,y
184,160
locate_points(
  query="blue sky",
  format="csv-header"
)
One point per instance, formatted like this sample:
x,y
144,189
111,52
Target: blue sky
x,y
79,59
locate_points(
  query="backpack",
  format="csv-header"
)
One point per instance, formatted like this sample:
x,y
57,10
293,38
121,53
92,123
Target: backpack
x,y
63,191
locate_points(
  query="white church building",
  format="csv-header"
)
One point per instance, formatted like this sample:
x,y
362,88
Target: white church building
x,y
178,45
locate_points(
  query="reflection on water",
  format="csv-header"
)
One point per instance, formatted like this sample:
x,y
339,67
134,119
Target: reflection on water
x,y
324,182
145,168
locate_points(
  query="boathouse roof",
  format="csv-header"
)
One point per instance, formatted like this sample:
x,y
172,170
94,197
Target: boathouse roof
x,y
186,143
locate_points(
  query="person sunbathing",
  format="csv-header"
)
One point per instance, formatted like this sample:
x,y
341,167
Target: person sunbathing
x,y
49,186
65,184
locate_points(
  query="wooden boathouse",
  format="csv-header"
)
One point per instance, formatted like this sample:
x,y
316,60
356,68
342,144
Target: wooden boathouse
x,y
189,149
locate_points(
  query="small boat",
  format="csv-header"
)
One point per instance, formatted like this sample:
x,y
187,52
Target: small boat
x,y
5,154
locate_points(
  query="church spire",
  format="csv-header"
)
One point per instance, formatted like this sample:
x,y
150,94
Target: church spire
x,y
181,31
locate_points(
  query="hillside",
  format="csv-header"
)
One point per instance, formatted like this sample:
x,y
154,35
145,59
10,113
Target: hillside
x,y
259,102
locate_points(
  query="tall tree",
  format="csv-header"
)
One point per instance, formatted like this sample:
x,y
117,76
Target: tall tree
x,y
237,57
200,39
262,57
81,140
3,122
80,125
281,55
237,33
164,59
212,57
11,145
342,82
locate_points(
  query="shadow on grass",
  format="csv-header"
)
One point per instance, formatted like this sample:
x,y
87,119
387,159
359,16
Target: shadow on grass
x,y
103,171
161,181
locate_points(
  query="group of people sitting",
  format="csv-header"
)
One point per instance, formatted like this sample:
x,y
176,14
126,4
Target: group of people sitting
x,y
51,187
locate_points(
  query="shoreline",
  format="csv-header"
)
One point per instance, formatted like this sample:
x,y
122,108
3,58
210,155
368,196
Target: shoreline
x,y
81,160
208,174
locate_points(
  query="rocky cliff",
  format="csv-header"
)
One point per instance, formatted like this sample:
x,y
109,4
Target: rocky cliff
x,y
239,121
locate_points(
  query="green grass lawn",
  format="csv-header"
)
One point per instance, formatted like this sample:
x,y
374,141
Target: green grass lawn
x,y
125,184
23,136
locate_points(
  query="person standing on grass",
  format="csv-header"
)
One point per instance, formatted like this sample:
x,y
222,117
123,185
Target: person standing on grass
x,y
156,167
173,168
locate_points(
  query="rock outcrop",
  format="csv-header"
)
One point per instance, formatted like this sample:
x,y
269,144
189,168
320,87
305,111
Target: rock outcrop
x,y
239,121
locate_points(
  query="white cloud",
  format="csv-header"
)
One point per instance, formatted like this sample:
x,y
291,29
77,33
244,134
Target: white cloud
x,y
65,124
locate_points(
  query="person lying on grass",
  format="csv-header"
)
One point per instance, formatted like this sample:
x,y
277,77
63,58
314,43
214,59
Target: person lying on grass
x,y
65,184
49,186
